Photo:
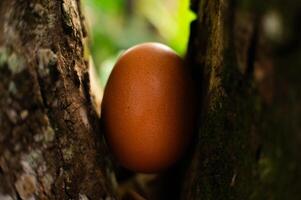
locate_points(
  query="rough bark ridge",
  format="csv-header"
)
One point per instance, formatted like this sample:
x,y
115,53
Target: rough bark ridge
x,y
249,138
49,147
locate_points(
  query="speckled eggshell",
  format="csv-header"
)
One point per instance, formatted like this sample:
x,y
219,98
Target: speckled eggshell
x,y
148,108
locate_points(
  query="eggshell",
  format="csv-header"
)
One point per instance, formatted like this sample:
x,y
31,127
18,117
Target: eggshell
x,y
148,108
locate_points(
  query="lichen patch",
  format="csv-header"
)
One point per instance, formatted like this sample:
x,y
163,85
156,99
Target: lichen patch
x,y
46,58
26,186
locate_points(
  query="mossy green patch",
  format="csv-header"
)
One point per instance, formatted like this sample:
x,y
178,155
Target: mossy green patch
x,y
3,56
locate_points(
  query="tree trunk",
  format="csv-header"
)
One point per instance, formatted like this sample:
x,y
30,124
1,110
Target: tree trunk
x,y
249,137
50,146
248,144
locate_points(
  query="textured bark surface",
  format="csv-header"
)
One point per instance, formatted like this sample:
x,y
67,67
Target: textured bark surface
x,y
49,147
248,144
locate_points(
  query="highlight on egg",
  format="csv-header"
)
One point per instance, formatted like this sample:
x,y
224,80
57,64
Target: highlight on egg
x,y
149,108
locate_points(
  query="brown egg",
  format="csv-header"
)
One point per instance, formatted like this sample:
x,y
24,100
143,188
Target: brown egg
x,y
148,108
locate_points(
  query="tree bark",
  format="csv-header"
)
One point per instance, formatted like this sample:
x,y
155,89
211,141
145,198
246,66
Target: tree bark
x,y
50,146
248,144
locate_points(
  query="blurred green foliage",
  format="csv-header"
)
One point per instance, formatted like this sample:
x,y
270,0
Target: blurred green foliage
x,y
116,25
